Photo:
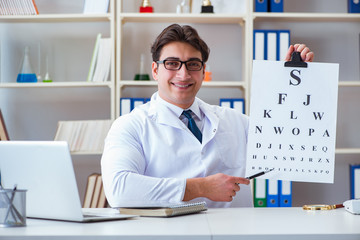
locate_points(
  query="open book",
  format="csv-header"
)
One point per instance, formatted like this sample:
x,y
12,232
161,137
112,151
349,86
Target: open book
x,y
165,211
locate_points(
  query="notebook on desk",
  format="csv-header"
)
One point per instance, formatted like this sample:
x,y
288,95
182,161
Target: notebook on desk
x,y
45,170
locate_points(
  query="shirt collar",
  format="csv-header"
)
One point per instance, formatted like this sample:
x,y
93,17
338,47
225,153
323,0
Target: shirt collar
x,y
178,111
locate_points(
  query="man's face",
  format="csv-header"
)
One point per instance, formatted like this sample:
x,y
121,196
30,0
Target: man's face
x,y
178,87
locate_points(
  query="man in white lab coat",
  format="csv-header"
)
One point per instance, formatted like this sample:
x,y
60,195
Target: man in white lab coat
x,y
152,156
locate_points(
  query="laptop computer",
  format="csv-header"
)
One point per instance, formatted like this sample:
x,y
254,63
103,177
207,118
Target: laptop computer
x,y
45,170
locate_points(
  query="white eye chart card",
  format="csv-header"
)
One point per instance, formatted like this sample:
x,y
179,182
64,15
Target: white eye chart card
x,y
292,128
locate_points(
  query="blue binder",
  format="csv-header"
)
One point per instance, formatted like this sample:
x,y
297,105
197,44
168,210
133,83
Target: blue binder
x,y
261,5
272,193
276,5
236,103
285,193
259,42
353,6
136,102
283,43
125,106
354,181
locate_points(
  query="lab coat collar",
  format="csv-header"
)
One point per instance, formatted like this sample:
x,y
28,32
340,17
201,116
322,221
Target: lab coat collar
x,y
160,112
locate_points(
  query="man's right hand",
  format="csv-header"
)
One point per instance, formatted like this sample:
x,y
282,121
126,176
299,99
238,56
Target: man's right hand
x,y
218,187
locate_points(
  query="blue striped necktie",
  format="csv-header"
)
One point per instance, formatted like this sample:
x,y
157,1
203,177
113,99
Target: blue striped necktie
x,y
192,125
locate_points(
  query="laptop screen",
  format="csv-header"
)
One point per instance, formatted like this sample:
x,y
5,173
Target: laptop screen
x,y
45,170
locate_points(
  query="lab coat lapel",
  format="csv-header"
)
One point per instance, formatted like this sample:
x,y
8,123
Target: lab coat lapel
x,y
211,122
163,115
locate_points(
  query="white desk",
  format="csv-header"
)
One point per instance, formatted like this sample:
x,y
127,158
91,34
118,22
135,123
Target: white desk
x,y
233,223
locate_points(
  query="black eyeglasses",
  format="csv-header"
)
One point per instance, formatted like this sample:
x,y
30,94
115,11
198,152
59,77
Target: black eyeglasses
x,y
175,65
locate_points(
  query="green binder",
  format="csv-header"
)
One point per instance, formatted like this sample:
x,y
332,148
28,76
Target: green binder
x,y
260,186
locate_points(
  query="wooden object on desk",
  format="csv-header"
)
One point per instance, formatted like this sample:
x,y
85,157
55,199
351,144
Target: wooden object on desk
x,y
94,195
4,136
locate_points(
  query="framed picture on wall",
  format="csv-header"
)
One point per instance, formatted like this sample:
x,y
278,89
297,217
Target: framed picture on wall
x,y
3,132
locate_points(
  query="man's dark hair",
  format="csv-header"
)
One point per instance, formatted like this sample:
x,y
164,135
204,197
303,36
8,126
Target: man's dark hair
x,y
177,33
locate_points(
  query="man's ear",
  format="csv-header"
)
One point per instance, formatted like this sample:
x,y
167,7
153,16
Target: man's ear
x,y
154,71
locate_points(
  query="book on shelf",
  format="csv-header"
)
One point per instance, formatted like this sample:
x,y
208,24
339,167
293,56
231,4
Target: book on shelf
x,y
18,7
96,6
167,210
83,136
94,194
103,60
90,187
93,58
4,136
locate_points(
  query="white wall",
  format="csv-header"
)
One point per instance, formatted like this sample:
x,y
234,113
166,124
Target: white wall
x,y
32,114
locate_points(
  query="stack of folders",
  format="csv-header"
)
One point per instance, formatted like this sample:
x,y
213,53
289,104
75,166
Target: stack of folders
x,y
236,103
355,181
18,7
83,136
128,104
271,45
94,195
100,64
269,5
353,6
272,193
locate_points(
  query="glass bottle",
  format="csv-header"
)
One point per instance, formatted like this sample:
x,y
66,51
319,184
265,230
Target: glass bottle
x,y
26,73
142,75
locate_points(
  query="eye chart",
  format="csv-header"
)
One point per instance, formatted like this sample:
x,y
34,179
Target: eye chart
x,y
292,127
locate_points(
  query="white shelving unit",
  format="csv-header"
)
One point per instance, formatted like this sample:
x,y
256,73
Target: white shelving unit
x,y
70,18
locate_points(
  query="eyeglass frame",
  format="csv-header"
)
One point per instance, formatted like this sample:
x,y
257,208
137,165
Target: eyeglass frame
x,y
181,64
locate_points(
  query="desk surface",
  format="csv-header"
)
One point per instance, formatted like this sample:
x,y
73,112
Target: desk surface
x,y
232,223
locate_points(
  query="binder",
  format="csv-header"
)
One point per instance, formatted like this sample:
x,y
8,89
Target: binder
x,y
353,6
259,45
125,106
271,41
272,193
285,193
276,6
355,181
137,102
225,102
239,104
261,5
259,192
283,41
235,103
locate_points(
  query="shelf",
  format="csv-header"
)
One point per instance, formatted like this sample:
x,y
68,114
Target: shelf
x,y
79,17
347,151
224,84
349,83
55,84
309,17
181,18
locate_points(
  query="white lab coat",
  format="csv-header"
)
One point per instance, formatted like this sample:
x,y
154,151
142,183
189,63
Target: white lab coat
x,y
150,153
